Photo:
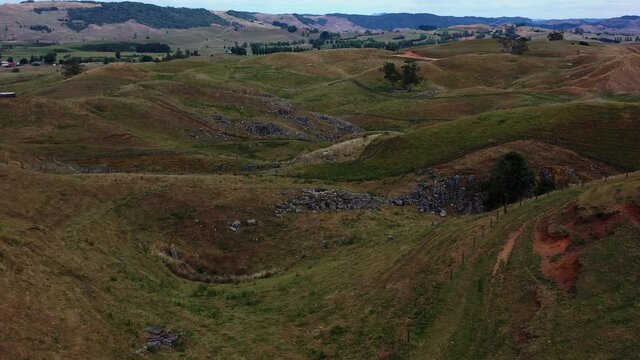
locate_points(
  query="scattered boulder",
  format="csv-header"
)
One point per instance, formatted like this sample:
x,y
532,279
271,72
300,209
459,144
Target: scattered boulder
x,y
158,337
252,222
440,195
235,225
325,199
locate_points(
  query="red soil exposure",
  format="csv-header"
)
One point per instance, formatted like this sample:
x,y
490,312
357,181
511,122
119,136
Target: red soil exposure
x,y
560,256
558,264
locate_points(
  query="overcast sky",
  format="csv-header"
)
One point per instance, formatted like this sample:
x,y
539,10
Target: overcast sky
x,y
538,9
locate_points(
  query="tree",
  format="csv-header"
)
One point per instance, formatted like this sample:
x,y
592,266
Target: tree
x,y
510,180
118,55
391,74
71,67
50,58
407,77
10,59
515,46
292,29
555,36
410,76
325,35
24,61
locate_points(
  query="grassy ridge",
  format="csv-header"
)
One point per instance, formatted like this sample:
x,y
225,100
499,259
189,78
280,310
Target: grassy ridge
x,y
591,128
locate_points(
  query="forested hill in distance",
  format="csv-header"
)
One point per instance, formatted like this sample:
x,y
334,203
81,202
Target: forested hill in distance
x,y
70,21
407,20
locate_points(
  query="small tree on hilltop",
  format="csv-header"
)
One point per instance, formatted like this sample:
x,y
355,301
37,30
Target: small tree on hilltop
x,y
555,36
510,180
118,55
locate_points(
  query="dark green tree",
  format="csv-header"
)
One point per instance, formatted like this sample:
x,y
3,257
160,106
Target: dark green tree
x,y
118,55
391,74
410,76
516,46
24,61
510,180
50,58
71,67
555,36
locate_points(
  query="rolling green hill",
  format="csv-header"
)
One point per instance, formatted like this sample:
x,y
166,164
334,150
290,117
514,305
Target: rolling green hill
x,y
252,206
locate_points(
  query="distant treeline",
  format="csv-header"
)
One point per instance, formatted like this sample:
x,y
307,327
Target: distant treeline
x,y
126,46
151,15
277,47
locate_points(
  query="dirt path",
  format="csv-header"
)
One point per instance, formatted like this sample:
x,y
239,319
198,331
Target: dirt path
x,y
503,256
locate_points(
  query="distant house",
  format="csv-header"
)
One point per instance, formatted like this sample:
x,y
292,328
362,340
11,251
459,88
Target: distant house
x,y
7,95
6,64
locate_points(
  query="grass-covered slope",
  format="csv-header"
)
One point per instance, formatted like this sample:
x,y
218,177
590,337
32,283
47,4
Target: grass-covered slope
x,y
605,131
89,259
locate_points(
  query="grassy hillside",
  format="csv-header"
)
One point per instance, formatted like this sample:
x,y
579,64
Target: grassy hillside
x,y
160,194
89,259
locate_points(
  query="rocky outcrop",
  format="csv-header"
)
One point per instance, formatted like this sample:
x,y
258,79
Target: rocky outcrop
x,y
326,199
439,195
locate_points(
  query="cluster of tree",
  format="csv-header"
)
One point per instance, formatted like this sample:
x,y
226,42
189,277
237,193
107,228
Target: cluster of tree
x,y
157,48
41,28
447,36
285,26
243,15
516,46
179,54
404,79
238,50
304,20
43,9
608,40
555,36
151,15
271,48
427,27
511,42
